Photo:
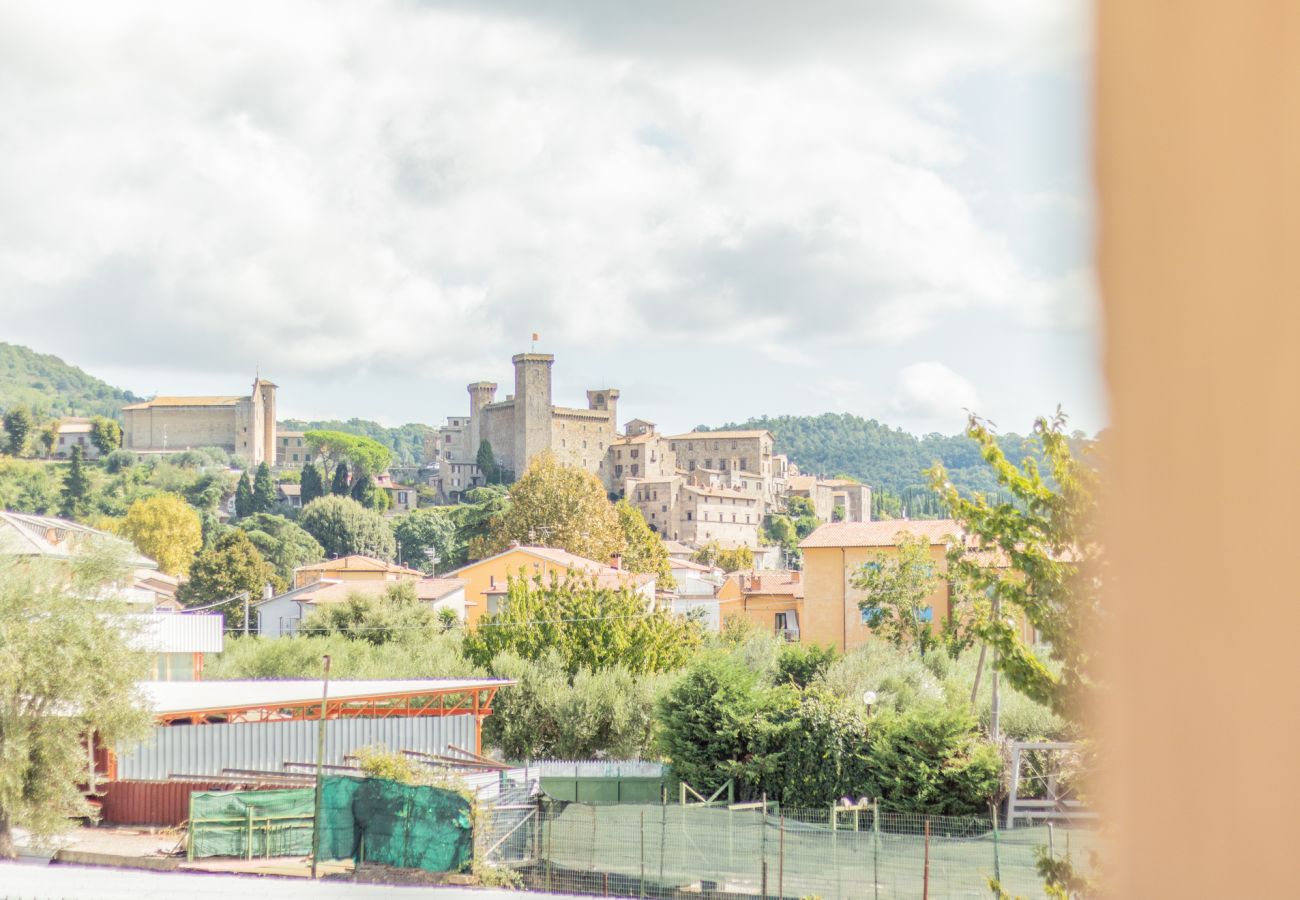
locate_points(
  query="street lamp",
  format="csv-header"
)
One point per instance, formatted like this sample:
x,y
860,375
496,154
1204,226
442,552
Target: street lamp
x,y
869,700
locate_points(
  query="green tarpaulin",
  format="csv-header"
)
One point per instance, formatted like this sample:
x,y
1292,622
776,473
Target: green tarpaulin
x,y
409,826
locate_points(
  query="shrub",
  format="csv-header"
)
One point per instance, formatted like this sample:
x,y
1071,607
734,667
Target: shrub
x,y
432,656
117,460
376,618
900,679
706,718
548,714
799,664
931,760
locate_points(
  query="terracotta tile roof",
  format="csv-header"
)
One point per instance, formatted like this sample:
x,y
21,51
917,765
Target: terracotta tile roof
x,y
357,563
720,435
289,489
678,547
800,482
880,533
780,582
76,426
606,576
691,565
437,588
186,401
637,439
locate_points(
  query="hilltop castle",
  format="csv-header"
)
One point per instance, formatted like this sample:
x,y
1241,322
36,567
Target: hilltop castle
x,y
523,425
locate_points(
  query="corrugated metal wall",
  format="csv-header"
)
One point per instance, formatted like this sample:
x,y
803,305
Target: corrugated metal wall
x,y
157,802
207,749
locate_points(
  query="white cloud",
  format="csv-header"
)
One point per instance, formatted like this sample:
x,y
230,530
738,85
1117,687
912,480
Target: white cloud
x,y
395,188
930,393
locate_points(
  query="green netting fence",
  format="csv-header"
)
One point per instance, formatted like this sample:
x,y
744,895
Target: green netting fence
x,y
250,823
674,851
371,819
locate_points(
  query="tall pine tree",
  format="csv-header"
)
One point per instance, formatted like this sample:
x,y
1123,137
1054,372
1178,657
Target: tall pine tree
x,y
76,487
313,485
243,497
263,490
340,485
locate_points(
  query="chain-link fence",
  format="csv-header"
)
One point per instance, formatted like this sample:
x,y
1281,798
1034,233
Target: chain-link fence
x,y
666,851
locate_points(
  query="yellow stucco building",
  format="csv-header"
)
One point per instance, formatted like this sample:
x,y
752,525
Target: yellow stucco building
x,y
486,580
834,553
771,600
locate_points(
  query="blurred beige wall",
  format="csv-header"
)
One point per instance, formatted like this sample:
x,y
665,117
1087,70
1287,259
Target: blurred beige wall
x,y
1198,166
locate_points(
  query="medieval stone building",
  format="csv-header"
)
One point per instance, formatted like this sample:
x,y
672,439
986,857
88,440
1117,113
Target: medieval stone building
x,y
244,426
523,425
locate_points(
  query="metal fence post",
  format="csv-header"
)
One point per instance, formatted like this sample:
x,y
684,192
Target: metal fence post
x,y
780,860
875,846
925,884
762,826
643,851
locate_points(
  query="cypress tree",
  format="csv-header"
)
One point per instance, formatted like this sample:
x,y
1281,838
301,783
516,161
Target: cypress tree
x,y
340,486
263,490
313,485
244,497
486,462
76,487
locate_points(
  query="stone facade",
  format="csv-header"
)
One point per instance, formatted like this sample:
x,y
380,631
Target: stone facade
x,y
523,425
241,425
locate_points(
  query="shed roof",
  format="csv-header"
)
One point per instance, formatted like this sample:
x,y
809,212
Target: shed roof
x,y
880,533
22,534
169,699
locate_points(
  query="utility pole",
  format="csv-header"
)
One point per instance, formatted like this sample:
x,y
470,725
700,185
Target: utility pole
x,y
320,772
995,724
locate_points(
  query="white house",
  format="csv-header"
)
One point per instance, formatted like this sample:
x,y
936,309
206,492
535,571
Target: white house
x,y
283,614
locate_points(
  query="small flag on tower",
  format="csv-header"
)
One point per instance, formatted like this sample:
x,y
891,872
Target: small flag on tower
x,y
536,336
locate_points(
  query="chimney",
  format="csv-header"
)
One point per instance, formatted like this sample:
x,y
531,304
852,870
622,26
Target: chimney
x,y
616,561
267,591
492,582
795,575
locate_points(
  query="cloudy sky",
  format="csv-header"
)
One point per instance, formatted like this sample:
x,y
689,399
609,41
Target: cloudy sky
x,y
722,207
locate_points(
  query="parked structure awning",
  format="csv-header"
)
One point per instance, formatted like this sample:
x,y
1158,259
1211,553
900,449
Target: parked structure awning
x,y
199,702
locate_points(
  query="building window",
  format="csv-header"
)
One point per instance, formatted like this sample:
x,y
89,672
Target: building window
x,y
618,454
688,515
618,471
715,445
673,445
708,464
295,457
665,507
733,445
692,465
636,453
635,467
744,463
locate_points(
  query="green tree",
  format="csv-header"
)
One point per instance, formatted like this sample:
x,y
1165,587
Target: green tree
x,y
728,559
344,527
339,487
29,487
48,438
378,618
555,505
312,483
802,664
369,494
643,550
1047,535
705,720
363,455
263,490
487,463
166,529
105,434
474,521
282,543
245,505
66,675
931,760
897,587
76,487
230,568
429,529
548,713
590,627
18,425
